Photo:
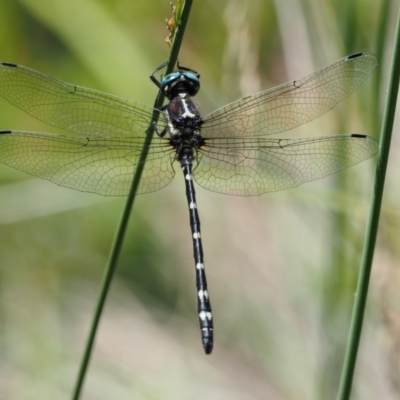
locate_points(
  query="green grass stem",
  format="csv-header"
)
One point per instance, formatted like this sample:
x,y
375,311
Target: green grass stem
x,y
120,234
372,227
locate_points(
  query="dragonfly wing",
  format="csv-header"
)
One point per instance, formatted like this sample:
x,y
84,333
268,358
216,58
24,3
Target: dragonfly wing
x,y
249,167
97,165
292,104
77,109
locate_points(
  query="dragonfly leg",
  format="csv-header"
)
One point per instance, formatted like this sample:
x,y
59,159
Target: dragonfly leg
x,y
153,78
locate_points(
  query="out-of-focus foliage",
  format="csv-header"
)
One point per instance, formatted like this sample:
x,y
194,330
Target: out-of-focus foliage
x,y
282,267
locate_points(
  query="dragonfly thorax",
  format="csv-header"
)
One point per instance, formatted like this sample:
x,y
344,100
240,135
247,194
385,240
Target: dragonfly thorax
x,y
186,146
183,116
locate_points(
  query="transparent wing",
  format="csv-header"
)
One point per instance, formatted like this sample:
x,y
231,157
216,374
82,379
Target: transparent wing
x,y
292,104
92,164
77,109
248,167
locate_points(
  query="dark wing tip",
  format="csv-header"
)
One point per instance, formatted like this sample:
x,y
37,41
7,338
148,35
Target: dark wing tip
x,y
359,55
6,64
5,132
359,135
356,55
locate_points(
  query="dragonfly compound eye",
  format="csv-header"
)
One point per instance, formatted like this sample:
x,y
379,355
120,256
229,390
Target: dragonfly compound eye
x,y
179,82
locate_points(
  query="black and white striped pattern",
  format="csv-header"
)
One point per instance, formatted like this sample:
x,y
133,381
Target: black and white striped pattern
x,y
203,298
184,131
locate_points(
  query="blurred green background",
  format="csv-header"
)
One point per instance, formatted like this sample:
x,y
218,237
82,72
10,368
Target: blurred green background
x,y
282,267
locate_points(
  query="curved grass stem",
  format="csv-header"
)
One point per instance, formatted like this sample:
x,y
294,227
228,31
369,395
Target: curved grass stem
x,y
120,234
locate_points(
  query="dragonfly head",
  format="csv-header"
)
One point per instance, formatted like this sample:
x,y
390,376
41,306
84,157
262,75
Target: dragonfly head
x,y
180,82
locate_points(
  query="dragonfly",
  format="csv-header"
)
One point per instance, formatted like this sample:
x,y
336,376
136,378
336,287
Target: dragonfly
x,y
223,151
